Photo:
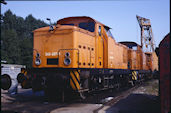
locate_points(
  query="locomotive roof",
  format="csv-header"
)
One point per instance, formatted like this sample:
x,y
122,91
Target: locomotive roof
x,y
78,19
129,43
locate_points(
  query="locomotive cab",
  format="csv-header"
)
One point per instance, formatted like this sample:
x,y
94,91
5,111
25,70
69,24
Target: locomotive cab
x,y
75,42
61,46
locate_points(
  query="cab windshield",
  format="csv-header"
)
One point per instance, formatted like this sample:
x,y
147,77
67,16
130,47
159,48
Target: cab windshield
x,y
87,26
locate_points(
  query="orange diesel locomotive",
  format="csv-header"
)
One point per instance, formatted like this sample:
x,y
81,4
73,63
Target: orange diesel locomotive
x,y
79,54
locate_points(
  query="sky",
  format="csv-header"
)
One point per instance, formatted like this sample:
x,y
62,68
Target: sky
x,y
120,15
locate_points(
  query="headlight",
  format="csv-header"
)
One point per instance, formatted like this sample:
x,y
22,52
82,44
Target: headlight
x,y
37,61
67,61
37,55
67,54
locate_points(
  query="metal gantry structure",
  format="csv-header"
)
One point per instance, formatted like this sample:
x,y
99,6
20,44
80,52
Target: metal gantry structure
x,y
3,2
147,40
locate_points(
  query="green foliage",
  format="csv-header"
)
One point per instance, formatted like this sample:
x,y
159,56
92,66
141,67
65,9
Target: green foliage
x,y
17,38
9,46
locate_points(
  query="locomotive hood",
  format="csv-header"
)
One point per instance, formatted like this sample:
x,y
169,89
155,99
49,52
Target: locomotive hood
x,y
47,44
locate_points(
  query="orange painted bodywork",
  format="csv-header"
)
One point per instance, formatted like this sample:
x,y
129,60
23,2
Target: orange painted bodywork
x,y
87,49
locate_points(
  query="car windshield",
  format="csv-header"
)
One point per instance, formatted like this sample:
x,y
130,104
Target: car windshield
x,y
87,26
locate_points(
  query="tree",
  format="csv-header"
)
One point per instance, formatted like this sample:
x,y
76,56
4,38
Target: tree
x,y
10,46
17,38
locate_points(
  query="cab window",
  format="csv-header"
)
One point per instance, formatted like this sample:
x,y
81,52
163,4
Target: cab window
x,y
87,26
108,32
99,31
71,24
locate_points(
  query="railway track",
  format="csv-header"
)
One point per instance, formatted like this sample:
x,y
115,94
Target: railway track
x,y
103,99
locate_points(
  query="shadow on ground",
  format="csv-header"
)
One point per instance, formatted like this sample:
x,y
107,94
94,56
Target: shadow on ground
x,y
136,103
27,102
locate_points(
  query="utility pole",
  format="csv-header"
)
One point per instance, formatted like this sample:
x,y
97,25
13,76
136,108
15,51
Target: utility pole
x,y
147,41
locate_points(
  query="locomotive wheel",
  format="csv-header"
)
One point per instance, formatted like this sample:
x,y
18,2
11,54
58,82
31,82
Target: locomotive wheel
x,y
20,77
55,88
5,82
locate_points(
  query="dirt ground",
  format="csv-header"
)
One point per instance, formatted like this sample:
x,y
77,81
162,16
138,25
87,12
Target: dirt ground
x,y
149,88
143,99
